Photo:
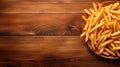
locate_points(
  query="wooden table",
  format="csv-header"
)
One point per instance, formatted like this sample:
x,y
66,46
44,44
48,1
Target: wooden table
x,y
45,33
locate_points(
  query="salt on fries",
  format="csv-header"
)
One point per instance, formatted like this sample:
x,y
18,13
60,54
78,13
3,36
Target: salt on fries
x,y
102,29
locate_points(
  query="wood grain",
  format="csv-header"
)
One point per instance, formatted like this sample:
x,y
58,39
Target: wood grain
x,y
45,33
31,7
45,6
46,51
41,24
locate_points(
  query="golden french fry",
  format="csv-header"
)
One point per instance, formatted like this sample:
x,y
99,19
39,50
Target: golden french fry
x,y
92,11
101,38
99,6
101,50
106,53
83,34
100,32
85,19
115,37
116,42
113,45
97,26
115,12
88,12
118,53
106,19
108,12
105,43
89,27
115,5
106,32
109,51
92,41
116,33
94,38
114,17
117,26
95,7
98,17
116,48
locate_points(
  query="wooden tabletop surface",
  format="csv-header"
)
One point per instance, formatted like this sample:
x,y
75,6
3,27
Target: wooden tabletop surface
x,y
45,33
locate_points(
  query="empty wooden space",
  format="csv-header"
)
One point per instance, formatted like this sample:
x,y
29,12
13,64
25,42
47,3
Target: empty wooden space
x,y
45,33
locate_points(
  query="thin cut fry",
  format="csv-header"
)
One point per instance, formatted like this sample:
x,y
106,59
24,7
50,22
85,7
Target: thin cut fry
x,y
116,48
116,33
116,5
88,31
102,29
115,12
95,7
83,34
118,53
88,12
105,32
94,38
114,17
97,26
97,17
106,53
109,51
116,42
93,12
105,43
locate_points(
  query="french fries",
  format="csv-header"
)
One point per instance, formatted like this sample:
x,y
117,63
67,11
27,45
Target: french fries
x,y
102,29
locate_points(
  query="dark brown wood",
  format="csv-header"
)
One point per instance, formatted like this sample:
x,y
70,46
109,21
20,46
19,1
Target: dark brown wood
x,y
30,7
41,24
45,33
49,51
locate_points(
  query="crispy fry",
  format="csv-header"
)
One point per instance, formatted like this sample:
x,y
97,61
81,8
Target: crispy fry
x,y
102,29
95,7
114,17
93,12
116,48
115,12
105,43
112,45
97,26
115,37
106,53
98,16
115,5
108,12
109,51
116,33
88,31
88,12
83,34
106,32
101,50
101,38
94,38
118,53
92,41
116,42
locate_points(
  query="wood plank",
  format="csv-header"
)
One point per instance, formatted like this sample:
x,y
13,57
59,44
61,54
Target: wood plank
x,y
56,1
41,24
38,7
49,51
30,6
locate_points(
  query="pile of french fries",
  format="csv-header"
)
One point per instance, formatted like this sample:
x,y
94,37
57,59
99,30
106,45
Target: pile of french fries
x,y
102,29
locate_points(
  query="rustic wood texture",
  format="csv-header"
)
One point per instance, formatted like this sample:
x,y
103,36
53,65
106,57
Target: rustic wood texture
x,y
46,51
40,24
45,33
